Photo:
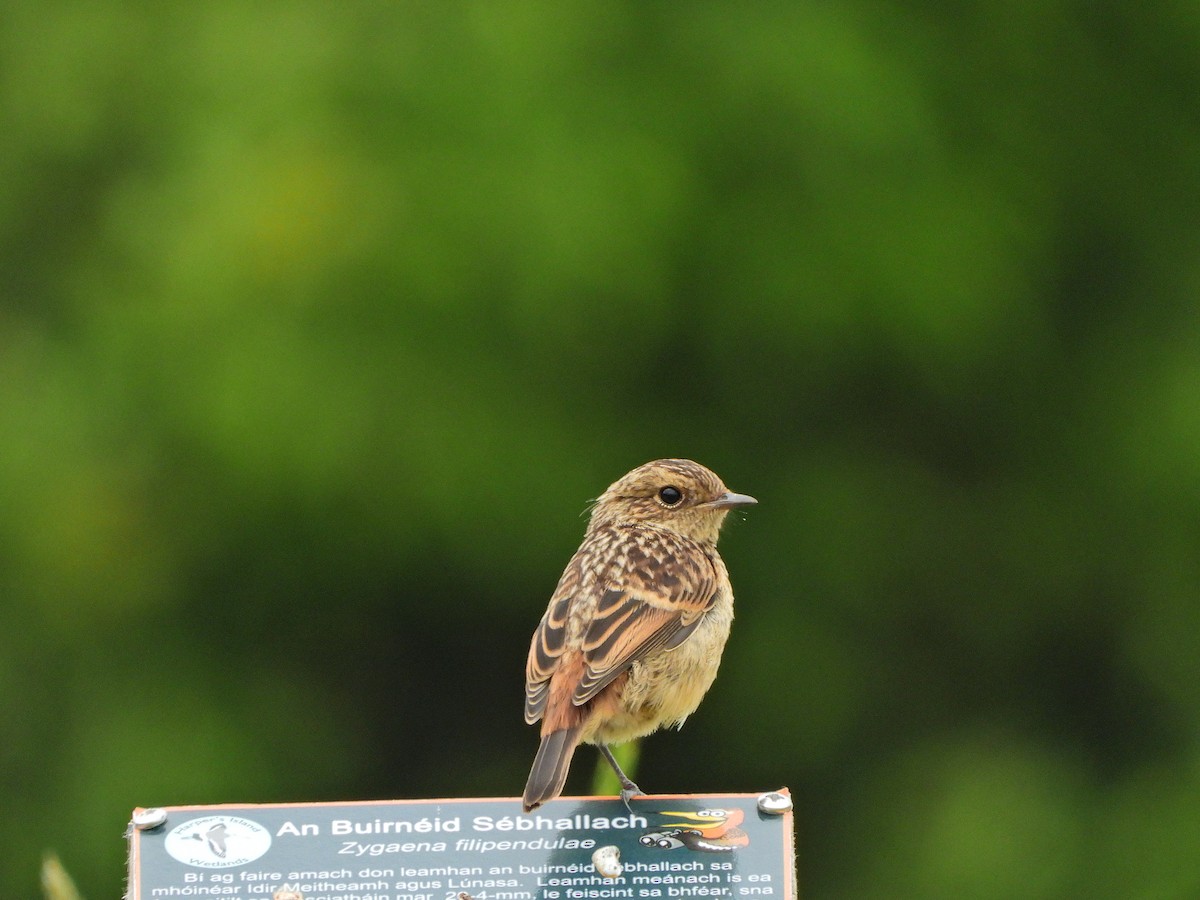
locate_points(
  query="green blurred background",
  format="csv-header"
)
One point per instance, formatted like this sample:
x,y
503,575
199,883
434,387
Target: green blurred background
x,y
321,322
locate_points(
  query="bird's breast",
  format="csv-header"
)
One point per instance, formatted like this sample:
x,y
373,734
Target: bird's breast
x,y
666,687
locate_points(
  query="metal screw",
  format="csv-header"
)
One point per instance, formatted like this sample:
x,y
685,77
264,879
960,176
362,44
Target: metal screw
x,y
774,803
145,819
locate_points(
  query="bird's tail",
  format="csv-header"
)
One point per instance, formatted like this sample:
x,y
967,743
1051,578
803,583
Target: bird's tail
x,y
550,766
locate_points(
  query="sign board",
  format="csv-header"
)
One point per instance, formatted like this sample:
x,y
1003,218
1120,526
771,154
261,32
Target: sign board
x,y
675,847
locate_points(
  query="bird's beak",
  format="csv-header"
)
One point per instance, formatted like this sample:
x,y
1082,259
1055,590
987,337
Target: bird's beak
x,y
729,499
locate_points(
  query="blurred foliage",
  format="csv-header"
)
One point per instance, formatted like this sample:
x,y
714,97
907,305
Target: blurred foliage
x,y
56,882
320,323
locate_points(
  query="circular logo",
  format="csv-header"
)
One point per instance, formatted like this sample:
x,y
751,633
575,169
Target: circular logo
x,y
218,842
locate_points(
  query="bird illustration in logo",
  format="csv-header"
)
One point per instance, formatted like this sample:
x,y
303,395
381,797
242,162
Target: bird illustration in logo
x,y
214,838
706,830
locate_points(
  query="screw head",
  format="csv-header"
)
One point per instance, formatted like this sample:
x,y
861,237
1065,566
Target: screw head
x,y
145,819
774,803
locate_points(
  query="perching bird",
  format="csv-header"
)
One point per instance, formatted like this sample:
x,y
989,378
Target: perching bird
x,y
633,635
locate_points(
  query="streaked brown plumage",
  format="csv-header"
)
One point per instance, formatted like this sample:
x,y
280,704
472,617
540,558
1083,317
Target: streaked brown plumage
x,y
633,635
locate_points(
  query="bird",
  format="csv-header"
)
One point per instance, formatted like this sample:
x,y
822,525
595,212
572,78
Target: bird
x,y
215,838
632,637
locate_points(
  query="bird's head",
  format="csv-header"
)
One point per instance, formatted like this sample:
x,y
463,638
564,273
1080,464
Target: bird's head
x,y
677,494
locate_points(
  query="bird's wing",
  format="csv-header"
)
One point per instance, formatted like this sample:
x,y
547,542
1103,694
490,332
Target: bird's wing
x,y
547,646
657,595
549,641
655,590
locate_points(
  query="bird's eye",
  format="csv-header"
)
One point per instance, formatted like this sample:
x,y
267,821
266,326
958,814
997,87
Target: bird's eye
x,y
670,496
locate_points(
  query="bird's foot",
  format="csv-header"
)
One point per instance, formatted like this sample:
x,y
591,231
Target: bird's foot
x,y
629,790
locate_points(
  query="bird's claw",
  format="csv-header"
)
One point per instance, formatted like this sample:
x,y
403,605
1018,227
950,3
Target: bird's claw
x,y
629,790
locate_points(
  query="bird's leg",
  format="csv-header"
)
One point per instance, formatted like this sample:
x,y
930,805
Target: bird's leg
x,y
629,790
